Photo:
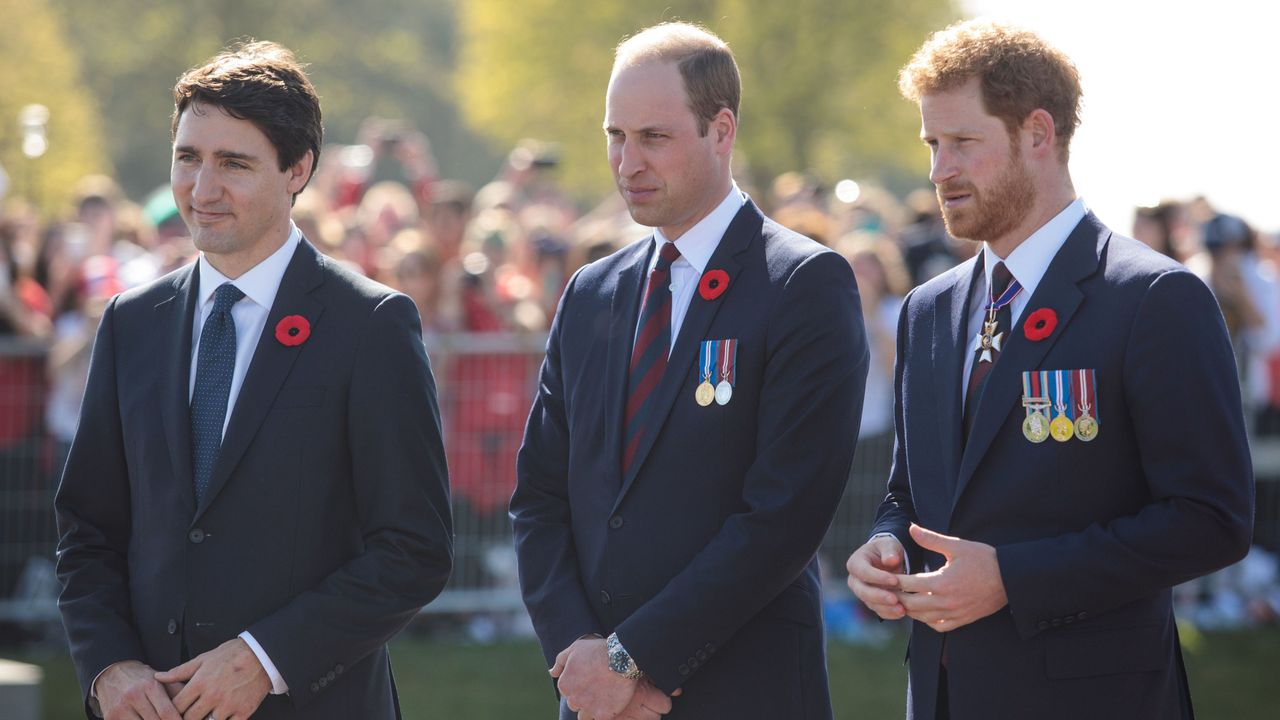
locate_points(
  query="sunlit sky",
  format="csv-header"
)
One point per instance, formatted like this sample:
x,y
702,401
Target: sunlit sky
x,y
1181,98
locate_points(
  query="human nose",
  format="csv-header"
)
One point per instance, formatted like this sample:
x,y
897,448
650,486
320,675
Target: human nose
x,y
942,166
205,186
630,159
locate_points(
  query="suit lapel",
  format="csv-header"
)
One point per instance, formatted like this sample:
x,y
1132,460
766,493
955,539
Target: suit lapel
x,y
174,318
742,231
949,350
623,315
1077,260
270,366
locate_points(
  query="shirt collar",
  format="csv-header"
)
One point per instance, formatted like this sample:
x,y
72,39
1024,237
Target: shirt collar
x,y
1030,260
261,283
700,241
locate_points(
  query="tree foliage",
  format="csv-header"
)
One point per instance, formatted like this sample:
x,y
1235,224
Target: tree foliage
x,y
38,65
392,59
819,77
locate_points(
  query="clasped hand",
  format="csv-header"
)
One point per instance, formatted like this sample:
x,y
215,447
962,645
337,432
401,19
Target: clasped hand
x,y
967,588
595,692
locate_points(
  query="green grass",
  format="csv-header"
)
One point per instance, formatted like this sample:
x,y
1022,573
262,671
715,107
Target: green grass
x,y
1234,676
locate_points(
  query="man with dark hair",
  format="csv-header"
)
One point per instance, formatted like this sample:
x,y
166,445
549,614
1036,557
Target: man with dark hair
x,y
694,425
256,500
1070,441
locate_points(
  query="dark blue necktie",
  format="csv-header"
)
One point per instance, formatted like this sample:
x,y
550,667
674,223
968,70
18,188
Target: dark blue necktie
x,y
215,364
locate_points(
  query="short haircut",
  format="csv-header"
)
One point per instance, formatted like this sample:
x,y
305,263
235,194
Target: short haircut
x,y
264,83
706,64
1019,72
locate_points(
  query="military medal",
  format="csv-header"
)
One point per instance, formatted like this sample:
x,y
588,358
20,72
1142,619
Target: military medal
x,y
728,371
991,338
1036,425
1062,429
1085,390
706,393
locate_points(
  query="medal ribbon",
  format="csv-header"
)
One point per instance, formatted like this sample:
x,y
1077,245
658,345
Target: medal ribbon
x,y
1062,398
995,305
707,361
1085,386
729,362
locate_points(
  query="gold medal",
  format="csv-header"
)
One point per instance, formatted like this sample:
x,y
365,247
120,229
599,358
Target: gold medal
x,y
1036,427
706,394
1086,428
1061,428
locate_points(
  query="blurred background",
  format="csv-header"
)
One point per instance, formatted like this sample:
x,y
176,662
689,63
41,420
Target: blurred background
x,y
465,166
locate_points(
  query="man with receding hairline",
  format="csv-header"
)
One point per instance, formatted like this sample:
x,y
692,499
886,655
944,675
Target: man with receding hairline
x,y
693,427
256,500
1070,440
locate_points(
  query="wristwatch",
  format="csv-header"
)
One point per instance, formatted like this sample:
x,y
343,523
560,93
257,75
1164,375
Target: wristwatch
x,y
620,660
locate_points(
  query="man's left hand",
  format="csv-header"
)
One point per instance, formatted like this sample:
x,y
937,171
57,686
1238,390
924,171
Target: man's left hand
x,y
966,589
225,682
588,685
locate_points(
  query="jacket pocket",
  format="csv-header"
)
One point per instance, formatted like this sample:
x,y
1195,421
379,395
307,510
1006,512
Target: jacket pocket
x,y
1109,651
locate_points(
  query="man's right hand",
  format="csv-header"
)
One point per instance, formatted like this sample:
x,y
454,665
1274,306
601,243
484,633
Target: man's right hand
x,y
129,690
649,703
873,575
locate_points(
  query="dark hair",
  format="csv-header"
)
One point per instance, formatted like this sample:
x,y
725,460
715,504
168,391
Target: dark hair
x,y
264,83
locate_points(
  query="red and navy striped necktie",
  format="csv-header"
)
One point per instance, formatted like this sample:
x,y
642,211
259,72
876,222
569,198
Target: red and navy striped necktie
x,y
649,355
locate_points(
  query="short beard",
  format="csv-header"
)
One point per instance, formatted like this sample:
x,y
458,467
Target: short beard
x,y
997,210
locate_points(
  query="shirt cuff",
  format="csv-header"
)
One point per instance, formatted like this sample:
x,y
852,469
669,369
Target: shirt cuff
x,y
906,561
278,685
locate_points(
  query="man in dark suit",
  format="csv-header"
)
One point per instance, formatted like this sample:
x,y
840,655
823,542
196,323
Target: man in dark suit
x,y
692,432
1070,441
257,499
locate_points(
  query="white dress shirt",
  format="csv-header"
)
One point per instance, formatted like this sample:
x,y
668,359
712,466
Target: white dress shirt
x,y
1027,263
696,246
259,285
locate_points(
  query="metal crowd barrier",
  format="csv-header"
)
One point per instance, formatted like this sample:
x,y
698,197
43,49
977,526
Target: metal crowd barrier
x,y
485,383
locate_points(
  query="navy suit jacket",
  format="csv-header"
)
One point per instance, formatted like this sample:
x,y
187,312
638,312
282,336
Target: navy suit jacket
x,y
326,525
702,558
1090,536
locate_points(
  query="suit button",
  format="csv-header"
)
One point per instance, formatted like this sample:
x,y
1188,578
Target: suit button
x,y
605,598
615,522
1081,616
1056,622
684,669
315,687
323,682
1043,625
709,648
693,662
1069,619
173,626
196,536
338,669
701,655
331,676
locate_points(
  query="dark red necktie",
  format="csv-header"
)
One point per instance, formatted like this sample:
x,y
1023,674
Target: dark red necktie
x,y
649,355
1000,281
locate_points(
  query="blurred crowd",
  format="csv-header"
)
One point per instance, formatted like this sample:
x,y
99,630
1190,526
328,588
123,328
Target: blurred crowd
x,y
486,267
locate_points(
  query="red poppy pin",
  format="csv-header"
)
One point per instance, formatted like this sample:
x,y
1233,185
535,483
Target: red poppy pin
x,y
713,284
1040,324
293,330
